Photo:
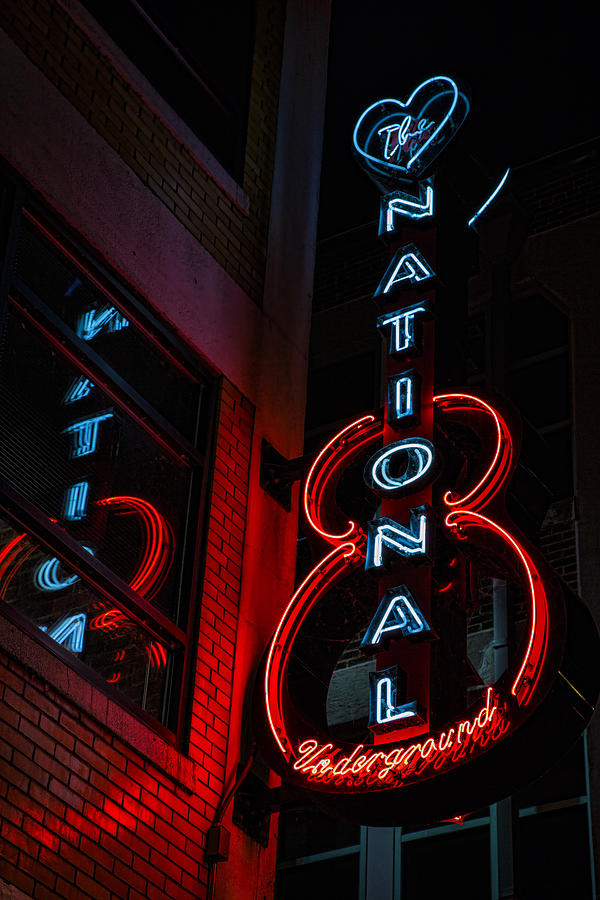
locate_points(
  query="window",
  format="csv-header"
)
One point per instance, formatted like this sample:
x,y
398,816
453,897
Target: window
x,y
103,434
197,56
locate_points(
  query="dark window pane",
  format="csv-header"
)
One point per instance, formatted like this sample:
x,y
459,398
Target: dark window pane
x,y
553,856
307,830
560,453
106,330
84,462
542,391
320,881
453,865
125,655
565,780
207,82
534,325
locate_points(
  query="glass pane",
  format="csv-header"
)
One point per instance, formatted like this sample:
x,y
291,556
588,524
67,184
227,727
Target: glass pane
x,y
565,780
542,391
534,325
461,869
106,329
54,598
306,830
84,462
320,881
553,856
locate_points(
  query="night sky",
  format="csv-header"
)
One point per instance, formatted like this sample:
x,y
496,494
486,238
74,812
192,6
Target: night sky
x,y
532,72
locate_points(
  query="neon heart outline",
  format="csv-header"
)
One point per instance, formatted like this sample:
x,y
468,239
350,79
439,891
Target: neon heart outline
x,y
404,106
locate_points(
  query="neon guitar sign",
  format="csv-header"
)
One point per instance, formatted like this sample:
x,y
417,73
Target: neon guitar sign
x,y
427,753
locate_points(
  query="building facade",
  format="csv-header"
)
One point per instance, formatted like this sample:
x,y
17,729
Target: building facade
x,y
158,229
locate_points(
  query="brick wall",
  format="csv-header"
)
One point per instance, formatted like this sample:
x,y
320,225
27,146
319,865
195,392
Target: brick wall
x,y
61,49
83,813
221,589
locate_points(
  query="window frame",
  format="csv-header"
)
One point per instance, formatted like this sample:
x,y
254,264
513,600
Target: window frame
x,y
19,203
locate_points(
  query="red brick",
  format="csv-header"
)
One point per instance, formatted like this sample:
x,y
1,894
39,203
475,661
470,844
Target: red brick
x,y
141,777
175,892
68,891
18,837
117,887
93,759
103,787
10,812
153,803
91,887
21,705
80,861
38,737
115,776
32,769
64,793
13,776
118,850
110,754
91,849
168,869
150,873
41,701
51,765
82,825
140,849
16,877
11,680
126,874
183,861
59,827
57,864
76,728
72,763
104,822
153,837
56,732
42,893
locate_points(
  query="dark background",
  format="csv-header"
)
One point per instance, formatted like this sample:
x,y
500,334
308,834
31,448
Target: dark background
x,y
532,71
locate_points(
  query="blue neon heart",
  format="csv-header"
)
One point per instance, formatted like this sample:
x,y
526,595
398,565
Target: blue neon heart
x,y
397,140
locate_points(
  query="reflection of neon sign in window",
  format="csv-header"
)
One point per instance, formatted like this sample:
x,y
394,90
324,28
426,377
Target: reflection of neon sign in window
x,y
68,632
79,389
76,501
85,434
47,578
93,321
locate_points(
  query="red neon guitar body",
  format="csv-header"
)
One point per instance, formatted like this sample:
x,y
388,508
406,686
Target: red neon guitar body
x,y
519,724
